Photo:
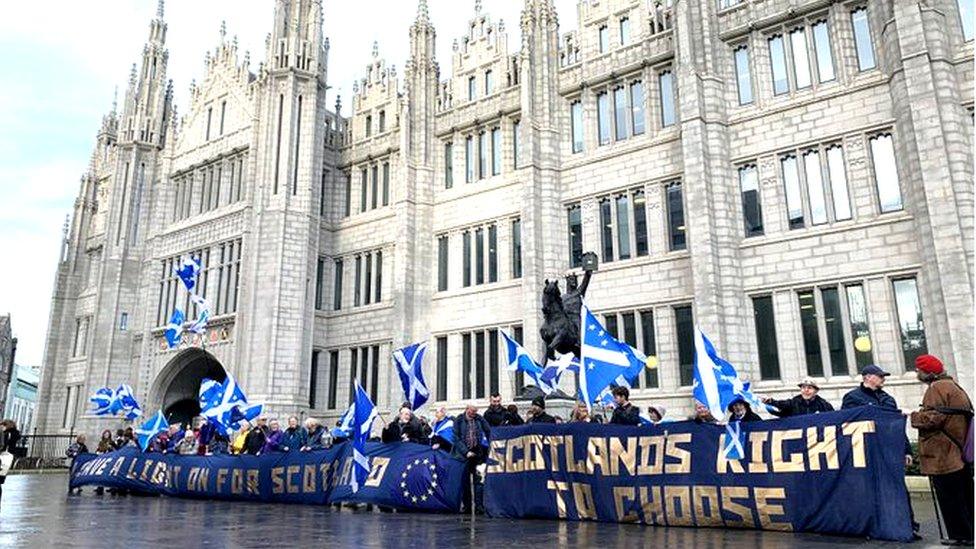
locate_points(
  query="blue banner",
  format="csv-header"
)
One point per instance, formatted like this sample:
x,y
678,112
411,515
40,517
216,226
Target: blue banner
x,y
838,473
402,475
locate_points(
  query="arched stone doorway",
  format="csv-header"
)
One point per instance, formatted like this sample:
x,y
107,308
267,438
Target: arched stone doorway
x,y
177,387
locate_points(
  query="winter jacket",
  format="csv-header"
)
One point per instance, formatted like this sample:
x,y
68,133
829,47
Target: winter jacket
x,y
237,446
799,406
174,441
272,443
105,446
941,435
293,439
496,415
76,449
254,441
187,446
461,426
411,431
626,415
542,417
862,396
316,439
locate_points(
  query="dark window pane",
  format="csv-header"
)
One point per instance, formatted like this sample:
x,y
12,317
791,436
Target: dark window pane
x,y
379,277
492,362
811,337
442,368
640,223
603,118
358,281
606,230
676,217
649,346
368,279
575,236
766,337
777,55
857,310
466,260
630,329
479,364
333,378
374,374
576,121
835,331
313,378
479,256
442,263
751,206
353,363
466,366
862,39
319,275
519,375
623,226
620,113
517,248
610,321
448,165
337,288
492,253
685,327
913,342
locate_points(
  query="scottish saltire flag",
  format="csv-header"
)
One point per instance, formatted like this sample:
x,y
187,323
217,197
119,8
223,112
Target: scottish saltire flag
x,y
102,399
445,429
734,441
124,402
362,422
175,328
603,359
155,425
519,359
344,428
409,362
211,391
199,325
188,270
716,382
232,406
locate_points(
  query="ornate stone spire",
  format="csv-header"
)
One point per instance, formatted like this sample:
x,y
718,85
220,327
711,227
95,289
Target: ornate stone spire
x,y
376,49
160,7
477,7
423,14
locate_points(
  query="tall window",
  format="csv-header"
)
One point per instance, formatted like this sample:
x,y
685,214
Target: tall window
x,y
623,226
496,151
777,58
442,257
637,107
479,254
313,380
604,39
368,279
357,295
794,195
492,253
347,209
966,15
223,113
386,183
516,143
516,248
821,45
466,365
640,222
369,125
603,117
469,159
676,216
837,175
333,379
620,113
363,189
751,204
382,121
815,189
834,328
885,172
762,308
685,332
576,123
442,368
519,375
857,311
801,58
489,82
482,155
466,260
376,183
649,346
337,285
472,87
448,165
575,232
209,120
666,82
379,276
743,76
319,276
811,335
862,39
624,30
606,230
909,307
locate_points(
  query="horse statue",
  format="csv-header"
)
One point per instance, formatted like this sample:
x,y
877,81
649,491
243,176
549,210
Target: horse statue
x,y
561,317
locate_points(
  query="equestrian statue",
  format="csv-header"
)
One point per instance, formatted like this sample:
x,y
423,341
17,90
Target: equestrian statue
x,y
561,313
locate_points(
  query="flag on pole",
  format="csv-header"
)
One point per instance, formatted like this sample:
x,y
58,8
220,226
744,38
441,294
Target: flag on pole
x,y
175,328
603,359
199,325
155,425
187,271
363,418
445,429
344,429
227,411
125,402
716,382
409,363
102,399
519,360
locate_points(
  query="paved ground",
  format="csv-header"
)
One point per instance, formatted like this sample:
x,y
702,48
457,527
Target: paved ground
x,y
36,512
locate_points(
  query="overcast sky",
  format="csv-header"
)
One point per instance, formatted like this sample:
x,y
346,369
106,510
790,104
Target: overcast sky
x,y
60,62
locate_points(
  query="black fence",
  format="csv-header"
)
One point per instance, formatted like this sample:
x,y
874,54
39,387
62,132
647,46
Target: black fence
x,y
42,452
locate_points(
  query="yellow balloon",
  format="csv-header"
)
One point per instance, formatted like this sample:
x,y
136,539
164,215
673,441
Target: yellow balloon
x,y
651,362
863,344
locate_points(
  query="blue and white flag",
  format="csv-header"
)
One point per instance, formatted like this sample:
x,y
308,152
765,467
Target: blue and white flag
x,y
199,325
445,429
124,402
344,429
716,382
409,362
103,399
604,360
188,270
175,328
519,359
232,407
155,425
362,423
211,392
733,441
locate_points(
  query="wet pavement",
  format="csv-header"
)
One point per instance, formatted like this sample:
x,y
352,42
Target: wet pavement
x,y
36,512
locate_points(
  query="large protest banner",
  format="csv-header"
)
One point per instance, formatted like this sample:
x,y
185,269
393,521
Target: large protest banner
x,y
840,473
402,475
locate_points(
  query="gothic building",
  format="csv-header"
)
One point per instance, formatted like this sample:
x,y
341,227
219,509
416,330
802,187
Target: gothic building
x,y
793,176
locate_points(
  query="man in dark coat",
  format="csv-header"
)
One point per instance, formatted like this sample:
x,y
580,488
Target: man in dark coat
x,y
943,423
471,433
624,413
807,402
254,441
406,428
537,412
739,410
496,414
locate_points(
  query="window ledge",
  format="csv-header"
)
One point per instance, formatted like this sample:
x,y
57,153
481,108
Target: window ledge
x,y
820,230
478,289
372,307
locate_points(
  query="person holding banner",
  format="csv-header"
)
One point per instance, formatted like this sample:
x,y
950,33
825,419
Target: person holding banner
x,y
944,423
294,437
624,413
405,429
807,402
470,430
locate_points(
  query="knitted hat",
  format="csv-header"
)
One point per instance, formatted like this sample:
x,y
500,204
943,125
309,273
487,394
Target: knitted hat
x,y
929,364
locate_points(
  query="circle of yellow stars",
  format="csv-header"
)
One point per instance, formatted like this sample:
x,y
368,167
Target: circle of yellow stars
x,y
433,483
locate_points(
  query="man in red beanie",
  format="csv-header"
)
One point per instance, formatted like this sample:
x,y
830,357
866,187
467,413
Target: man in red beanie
x,y
943,423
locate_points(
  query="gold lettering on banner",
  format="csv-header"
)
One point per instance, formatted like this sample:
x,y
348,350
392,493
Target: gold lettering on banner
x,y
222,478
722,463
346,471
554,442
572,465
277,482
652,504
513,465
159,475
673,450
856,430
795,463
174,475
678,498
559,487
116,467
767,510
646,466
622,495
744,514
534,459
145,470
324,473
253,481
290,472
583,497
196,481
376,471
619,454
131,473
236,482
757,463
596,455
495,450
826,448
712,516
308,479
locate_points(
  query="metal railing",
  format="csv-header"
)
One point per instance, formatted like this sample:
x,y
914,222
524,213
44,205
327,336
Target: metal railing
x,y
42,452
